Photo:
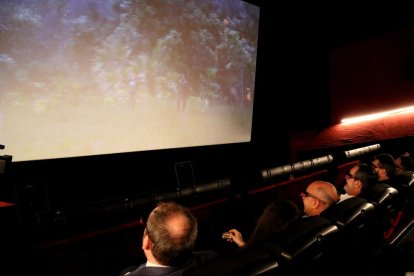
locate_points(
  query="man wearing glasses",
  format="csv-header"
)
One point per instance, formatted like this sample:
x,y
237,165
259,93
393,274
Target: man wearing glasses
x,y
318,197
169,237
359,181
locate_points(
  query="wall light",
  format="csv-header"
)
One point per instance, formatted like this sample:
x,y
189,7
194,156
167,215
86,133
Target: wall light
x,y
375,116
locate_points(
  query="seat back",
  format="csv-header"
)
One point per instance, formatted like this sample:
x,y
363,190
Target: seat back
x,y
350,214
261,259
389,195
388,206
306,239
356,220
403,233
411,182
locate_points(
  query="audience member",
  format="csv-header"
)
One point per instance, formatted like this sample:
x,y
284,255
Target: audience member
x,y
406,162
385,167
359,181
319,196
275,219
388,211
168,241
404,170
347,212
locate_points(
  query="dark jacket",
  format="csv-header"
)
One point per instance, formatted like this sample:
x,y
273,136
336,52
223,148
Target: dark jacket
x,y
198,259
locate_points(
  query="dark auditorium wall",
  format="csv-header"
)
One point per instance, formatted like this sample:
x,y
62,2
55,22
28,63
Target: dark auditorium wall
x,y
372,75
292,82
369,71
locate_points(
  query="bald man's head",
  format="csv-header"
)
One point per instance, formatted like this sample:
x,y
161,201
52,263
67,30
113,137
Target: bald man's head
x,y
318,197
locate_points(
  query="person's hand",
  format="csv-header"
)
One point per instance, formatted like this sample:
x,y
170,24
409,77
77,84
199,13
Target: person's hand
x,y
237,238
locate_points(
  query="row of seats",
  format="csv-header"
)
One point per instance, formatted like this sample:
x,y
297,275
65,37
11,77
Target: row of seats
x,y
351,227
355,231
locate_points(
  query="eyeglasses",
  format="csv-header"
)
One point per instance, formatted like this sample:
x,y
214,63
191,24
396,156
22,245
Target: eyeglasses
x,y
306,194
349,176
143,222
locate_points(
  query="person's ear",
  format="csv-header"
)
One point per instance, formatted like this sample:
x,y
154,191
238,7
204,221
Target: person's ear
x,y
146,242
358,183
316,203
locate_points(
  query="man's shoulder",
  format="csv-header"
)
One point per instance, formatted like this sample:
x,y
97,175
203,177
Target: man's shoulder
x,y
152,271
199,258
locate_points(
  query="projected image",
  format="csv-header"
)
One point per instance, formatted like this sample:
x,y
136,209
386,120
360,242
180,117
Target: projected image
x,y
93,77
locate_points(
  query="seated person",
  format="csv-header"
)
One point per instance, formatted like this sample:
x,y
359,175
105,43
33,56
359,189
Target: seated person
x,y
318,197
385,167
168,241
359,181
276,218
404,173
354,208
309,237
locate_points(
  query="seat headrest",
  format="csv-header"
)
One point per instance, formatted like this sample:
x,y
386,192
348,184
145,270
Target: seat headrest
x,y
411,182
358,214
350,212
304,227
388,195
305,238
316,240
253,260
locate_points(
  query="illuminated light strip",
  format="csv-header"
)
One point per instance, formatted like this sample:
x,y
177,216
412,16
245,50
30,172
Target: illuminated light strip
x,y
375,116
